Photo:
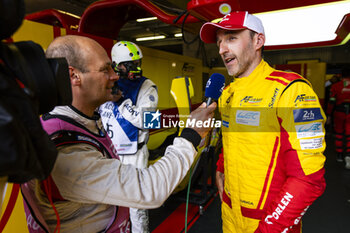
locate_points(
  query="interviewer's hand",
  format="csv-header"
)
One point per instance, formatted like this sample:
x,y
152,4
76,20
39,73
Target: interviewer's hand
x,y
202,114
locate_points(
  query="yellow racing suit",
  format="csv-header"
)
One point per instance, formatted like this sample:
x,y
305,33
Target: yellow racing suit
x,y
273,140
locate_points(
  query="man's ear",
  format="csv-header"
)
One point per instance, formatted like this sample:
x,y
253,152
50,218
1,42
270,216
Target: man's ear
x,y
74,76
260,41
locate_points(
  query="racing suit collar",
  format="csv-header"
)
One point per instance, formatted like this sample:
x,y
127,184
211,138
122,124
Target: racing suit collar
x,y
260,72
256,72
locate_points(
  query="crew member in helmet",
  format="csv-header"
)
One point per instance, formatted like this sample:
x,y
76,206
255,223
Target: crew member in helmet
x,y
123,117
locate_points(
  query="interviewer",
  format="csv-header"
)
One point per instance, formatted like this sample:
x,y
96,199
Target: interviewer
x,y
89,189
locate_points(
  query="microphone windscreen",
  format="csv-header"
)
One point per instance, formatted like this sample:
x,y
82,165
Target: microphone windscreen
x,y
215,86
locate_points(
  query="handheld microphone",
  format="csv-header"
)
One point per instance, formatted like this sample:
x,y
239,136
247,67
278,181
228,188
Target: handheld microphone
x,y
214,87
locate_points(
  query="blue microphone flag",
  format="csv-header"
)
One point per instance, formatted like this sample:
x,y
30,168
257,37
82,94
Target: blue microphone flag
x,y
215,85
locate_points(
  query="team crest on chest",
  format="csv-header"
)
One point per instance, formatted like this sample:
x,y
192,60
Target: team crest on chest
x,y
250,100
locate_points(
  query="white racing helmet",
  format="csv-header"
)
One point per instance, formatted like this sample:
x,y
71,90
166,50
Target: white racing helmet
x,y
125,51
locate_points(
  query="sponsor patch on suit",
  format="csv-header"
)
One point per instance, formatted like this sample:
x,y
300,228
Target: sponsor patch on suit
x,y
309,130
309,144
244,117
307,114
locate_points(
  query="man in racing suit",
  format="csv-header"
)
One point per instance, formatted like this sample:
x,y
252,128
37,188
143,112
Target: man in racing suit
x,y
273,139
87,187
123,118
339,108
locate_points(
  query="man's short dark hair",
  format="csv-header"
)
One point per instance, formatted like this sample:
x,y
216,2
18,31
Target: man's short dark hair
x,y
252,34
